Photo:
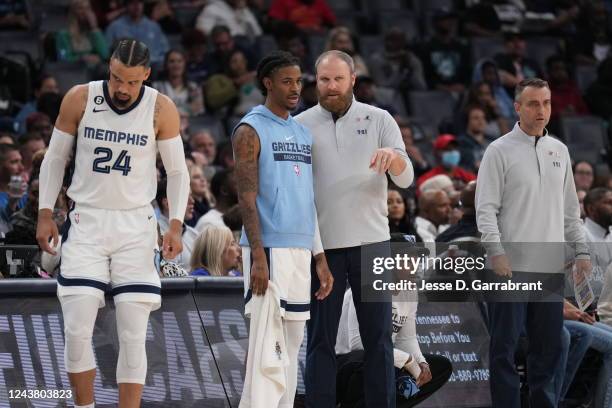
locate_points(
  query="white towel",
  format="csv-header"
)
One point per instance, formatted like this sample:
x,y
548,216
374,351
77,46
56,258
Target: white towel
x,y
267,359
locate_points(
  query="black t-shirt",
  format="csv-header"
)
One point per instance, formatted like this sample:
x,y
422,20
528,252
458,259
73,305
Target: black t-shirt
x,y
446,63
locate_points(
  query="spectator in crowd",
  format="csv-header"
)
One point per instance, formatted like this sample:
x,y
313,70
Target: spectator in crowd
x,y
291,39
439,182
244,79
466,229
23,222
233,14
216,253
107,11
598,210
49,103
598,94
486,18
225,156
161,11
189,234
173,82
37,160
45,83
419,162
28,146
497,100
308,97
480,94
434,214
14,15
513,65
198,66
397,212
12,186
581,196
566,97
365,91
584,175
583,326
202,197
134,24
224,45
223,188
446,59
396,66
39,123
83,40
593,40
307,15
7,138
448,156
341,39
473,141
203,142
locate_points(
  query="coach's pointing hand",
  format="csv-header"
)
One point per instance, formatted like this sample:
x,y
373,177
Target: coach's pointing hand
x,y
326,280
46,230
172,243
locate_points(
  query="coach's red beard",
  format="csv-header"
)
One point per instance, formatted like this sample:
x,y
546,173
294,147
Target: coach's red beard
x,y
336,103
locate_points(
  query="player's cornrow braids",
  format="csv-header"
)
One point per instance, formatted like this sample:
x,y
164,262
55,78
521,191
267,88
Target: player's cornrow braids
x,y
132,53
271,63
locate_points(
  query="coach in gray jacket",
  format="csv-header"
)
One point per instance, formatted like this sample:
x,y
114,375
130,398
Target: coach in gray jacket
x,y
354,146
525,194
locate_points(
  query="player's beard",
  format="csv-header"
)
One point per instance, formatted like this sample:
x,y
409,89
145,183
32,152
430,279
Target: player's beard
x,y
121,103
337,105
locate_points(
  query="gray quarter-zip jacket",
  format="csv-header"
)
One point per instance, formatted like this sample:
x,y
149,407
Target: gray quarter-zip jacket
x,y
525,193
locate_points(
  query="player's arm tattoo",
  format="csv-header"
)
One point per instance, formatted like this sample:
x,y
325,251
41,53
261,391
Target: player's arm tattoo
x,y
156,112
246,150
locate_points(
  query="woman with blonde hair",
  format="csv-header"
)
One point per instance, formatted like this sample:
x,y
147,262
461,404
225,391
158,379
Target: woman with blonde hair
x,y
341,39
83,40
215,253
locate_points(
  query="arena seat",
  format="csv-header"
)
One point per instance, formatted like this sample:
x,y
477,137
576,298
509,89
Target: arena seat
x,y
585,137
432,107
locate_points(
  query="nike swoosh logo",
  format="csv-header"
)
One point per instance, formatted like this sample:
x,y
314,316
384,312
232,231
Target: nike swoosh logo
x,y
289,138
149,217
99,110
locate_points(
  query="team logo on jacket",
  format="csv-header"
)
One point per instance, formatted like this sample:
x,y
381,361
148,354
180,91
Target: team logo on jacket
x,y
297,170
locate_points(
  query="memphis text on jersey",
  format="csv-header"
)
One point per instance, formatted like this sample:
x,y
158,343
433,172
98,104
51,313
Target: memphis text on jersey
x,y
115,137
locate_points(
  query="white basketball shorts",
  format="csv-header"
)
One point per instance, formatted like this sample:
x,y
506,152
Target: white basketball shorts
x,y
290,271
110,246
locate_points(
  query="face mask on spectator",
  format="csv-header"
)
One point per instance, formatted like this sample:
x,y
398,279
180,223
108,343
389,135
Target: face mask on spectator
x,y
451,158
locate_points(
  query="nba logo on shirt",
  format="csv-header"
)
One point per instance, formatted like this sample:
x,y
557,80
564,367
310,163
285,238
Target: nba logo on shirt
x,y
296,168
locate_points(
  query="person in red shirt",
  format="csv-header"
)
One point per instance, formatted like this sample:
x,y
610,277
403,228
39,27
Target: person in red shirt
x,y
308,15
446,150
565,95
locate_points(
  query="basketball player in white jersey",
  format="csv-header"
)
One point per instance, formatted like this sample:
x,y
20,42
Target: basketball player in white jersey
x,y
118,126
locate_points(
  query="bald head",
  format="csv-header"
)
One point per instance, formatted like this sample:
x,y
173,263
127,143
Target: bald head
x,y
435,206
335,57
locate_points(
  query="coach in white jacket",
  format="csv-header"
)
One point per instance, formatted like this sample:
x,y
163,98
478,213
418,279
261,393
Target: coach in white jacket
x,y
525,194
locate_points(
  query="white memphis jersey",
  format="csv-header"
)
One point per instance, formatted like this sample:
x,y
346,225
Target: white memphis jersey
x,y
116,151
